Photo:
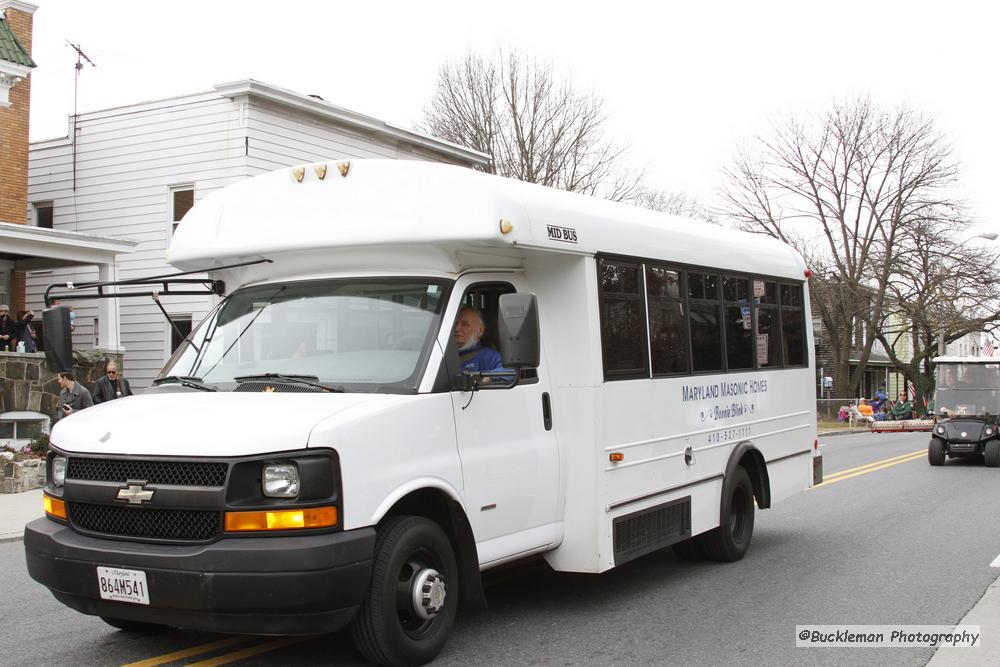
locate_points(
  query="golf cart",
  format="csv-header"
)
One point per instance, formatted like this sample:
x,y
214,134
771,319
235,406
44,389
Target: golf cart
x,y
967,401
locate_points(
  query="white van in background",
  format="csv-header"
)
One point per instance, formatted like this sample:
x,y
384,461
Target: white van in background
x,y
313,457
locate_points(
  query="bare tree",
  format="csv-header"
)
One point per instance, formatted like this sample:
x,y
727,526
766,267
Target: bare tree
x,y
535,126
675,203
942,287
844,187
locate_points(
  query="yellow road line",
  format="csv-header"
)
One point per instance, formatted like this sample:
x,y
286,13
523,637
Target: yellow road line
x,y
876,463
188,652
841,478
247,652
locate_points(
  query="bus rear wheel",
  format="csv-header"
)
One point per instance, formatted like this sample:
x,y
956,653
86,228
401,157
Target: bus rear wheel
x,y
731,540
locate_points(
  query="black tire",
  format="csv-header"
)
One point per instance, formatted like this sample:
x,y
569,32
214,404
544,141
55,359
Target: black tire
x,y
389,628
731,540
689,549
935,452
991,454
137,627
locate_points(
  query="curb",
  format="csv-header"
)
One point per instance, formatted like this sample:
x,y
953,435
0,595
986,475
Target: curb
x,y
842,431
11,537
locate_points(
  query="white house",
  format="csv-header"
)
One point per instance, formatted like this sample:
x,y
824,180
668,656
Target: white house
x,y
133,172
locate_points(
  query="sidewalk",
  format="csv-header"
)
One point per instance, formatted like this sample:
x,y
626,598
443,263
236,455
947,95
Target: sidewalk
x,y
17,509
985,614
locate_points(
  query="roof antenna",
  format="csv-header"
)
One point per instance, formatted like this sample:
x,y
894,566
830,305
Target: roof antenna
x,y
80,57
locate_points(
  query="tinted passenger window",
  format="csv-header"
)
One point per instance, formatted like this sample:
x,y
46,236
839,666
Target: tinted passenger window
x,y
706,337
792,327
667,326
623,322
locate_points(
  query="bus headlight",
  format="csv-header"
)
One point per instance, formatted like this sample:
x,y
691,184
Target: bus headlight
x,y
59,470
281,481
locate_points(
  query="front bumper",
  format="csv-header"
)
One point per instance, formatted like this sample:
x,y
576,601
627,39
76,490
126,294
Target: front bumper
x,y
964,448
295,585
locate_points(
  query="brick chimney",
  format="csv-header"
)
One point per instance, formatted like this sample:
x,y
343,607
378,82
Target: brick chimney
x,y
15,105
15,93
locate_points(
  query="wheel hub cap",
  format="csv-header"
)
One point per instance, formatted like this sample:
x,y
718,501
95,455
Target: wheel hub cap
x,y
429,592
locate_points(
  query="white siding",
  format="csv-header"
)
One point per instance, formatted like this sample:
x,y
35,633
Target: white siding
x,y
128,159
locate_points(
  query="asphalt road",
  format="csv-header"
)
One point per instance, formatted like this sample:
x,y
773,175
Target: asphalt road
x,y
901,543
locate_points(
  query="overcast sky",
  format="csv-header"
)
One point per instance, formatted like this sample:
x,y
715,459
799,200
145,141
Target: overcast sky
x,y
682,83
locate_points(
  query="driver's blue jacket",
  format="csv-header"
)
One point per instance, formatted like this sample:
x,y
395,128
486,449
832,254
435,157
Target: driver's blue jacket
x,y
479,359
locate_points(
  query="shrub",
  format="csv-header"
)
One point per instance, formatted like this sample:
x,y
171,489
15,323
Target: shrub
x,y
39,446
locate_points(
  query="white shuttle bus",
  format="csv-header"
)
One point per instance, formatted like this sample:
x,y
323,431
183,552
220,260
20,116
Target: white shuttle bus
x,y
318,455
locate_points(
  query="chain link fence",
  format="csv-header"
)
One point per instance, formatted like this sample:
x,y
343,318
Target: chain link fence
x,y
828,410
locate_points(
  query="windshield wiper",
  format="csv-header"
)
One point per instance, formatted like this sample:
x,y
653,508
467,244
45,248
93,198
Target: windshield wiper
x,y
185,381
308,380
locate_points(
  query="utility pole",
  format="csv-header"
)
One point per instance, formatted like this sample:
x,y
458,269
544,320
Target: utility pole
x,y
80,57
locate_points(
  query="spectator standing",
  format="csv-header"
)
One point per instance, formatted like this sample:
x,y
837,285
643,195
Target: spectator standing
x,y
10,329
111,385
26,334
73,396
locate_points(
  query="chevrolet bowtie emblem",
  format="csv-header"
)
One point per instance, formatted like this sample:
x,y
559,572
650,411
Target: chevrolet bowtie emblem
x,y
135,494
268,390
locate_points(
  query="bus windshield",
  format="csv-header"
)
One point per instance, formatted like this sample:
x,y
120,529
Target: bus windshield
x,y
360,334
968,388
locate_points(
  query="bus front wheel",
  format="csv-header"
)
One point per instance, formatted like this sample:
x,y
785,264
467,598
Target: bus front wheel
x,y
731,540
410,607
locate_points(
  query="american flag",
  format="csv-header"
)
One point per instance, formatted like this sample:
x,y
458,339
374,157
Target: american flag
x,y
989,349
911,391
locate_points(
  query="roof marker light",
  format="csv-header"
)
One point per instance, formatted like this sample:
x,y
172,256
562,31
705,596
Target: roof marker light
x,y
344,167
506,227
320,170
298,174
809,273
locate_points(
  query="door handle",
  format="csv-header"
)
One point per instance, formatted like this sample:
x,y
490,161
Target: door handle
x,y
546,411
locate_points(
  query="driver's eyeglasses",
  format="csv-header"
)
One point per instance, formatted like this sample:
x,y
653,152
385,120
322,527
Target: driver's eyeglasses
x,y
112,372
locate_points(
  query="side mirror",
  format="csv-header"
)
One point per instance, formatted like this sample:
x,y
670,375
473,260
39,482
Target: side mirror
x,y
58,340
517,331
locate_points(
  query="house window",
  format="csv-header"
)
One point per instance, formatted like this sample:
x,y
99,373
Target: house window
x,y
182,331
43,214
181,201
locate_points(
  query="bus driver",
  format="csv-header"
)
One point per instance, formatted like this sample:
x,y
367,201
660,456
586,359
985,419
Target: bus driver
x,y
469,329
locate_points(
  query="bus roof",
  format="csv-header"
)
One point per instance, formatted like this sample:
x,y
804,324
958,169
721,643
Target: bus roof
x,y
445,218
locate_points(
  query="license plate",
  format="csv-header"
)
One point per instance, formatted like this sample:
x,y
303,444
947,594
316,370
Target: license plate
x,y
122,585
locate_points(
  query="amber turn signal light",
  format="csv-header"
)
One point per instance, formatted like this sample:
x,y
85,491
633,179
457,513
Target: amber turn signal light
x,y
616,457
54,506
314,517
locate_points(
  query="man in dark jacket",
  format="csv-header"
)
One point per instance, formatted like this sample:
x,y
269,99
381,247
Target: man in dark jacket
x,y
111,386
74,396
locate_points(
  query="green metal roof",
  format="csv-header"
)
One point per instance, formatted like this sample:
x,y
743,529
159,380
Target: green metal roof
x,y
11,49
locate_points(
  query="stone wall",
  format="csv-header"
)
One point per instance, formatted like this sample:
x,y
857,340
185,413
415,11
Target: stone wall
x,y
27,384
21,476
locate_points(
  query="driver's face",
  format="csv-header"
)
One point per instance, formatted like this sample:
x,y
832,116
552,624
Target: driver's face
x,y
467,328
